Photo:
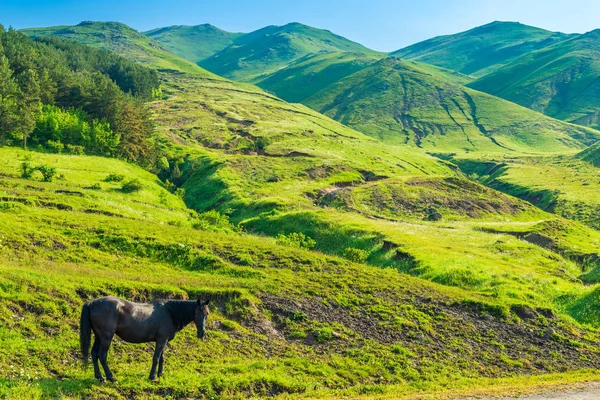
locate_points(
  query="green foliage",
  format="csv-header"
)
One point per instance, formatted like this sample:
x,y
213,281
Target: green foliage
x,y
55,146
48,172
355,255
92,98
296,239
132,186
114,177
212,220
76,150
27,170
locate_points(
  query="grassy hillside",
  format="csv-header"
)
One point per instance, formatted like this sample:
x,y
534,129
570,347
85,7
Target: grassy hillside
x,y
314,72
591,154
193,43
124,41
401,102
481,50
285,321
564,185
560,81
268,49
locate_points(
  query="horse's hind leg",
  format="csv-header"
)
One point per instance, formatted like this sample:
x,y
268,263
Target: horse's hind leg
x,y
95,353
103,355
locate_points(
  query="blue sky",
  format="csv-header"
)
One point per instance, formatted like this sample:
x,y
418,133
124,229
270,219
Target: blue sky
x,y
380,24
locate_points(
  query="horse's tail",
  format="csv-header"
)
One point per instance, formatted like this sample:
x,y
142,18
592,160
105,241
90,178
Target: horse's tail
x,y
85,333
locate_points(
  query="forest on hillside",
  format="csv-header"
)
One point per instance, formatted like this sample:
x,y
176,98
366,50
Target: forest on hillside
x,y
62,96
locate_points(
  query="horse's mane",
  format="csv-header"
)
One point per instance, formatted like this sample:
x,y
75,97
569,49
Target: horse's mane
x,y
181,312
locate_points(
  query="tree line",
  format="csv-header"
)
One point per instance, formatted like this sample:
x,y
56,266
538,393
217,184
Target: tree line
x,y
56,93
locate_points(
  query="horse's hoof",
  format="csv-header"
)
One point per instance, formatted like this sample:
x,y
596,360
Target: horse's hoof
x,y
154,380
113,380
101,380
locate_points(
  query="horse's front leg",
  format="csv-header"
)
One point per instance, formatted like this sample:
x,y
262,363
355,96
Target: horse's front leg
x,y
161,361
160,346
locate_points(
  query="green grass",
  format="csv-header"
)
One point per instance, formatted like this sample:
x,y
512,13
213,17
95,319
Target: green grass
x,y
286,322
262,52
400,102
481,50
559,80
124,41
193,43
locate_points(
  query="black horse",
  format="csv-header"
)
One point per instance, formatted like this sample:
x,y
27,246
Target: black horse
x,y
136,323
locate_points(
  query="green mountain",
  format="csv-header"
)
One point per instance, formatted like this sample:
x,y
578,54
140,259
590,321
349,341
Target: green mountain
x,y
268,49
401,102
481,50
122,40
561,81
193,43
314,72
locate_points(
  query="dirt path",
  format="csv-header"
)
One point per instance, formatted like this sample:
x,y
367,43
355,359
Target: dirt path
x,y
589,391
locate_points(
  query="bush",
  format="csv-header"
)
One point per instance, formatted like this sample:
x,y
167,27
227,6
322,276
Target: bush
x,y
76,150
114,178
212,219
95,186
134,185
296,239
355,255
55,146
27,170
47,171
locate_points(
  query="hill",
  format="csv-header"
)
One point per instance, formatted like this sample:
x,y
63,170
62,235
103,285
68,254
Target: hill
x,y
314,72
193,43
122,40
404,102
591,154
560,81
268,49
481,50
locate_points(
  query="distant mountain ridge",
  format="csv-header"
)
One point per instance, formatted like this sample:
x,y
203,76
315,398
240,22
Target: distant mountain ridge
x,y
483,49
254,55
562,81
193,43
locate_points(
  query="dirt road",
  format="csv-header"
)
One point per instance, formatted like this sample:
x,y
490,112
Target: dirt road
x,y
589,391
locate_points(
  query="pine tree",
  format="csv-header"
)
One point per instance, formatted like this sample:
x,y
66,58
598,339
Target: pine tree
x,y
9,93
29,104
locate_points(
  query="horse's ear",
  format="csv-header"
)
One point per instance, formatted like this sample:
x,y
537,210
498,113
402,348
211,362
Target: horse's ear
x,y
199,302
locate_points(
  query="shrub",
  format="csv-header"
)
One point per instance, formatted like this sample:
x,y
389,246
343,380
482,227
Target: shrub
x,y
296,239
27,170
114,178
47,171
212,219
180,192
134,185
355,255
95,186
55,146
76,150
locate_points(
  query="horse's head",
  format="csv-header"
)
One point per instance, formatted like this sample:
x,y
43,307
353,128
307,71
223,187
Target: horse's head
x,y
201,316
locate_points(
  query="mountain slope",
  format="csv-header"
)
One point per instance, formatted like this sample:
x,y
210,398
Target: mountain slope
x,y
124,41
269,49
562,81
481,50
314,72
193,43
591,154
399,102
